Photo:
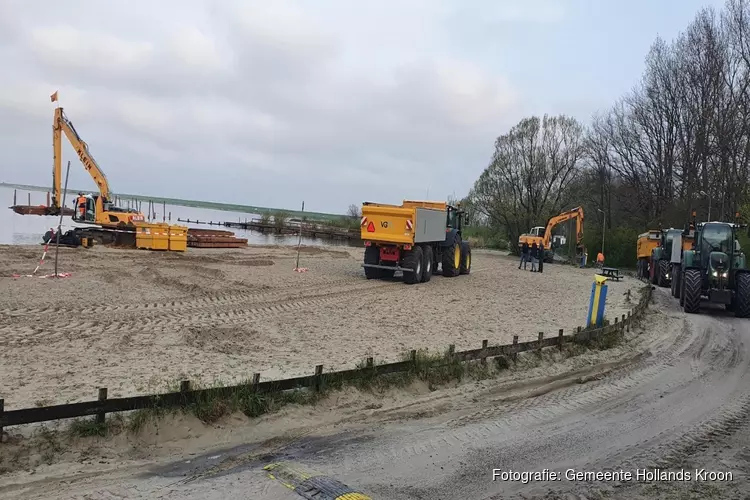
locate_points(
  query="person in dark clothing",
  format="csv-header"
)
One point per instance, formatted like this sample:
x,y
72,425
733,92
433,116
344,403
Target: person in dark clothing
x,y
534,256
524,255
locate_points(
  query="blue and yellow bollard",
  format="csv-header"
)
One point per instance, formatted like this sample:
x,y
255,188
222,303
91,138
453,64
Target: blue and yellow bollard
x,y
598,300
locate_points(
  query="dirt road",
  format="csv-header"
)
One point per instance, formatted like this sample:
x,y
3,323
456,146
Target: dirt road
x,y
138,322
676,396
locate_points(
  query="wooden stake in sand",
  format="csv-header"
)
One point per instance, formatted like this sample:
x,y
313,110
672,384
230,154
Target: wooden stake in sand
x,y
59,225
299,240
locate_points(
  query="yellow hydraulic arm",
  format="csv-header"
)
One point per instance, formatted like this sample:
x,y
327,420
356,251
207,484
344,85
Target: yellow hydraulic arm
x,y
576,213
62,124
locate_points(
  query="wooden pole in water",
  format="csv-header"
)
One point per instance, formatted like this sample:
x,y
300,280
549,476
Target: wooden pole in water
x,y
164,211
299,240
14,197
29,198
59,225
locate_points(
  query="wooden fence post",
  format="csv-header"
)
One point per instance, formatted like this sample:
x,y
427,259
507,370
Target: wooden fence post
x,y
102,397
2,411
629,321
451,351
185,386
484,352
414,358
370,362
539,346
560,339
256,381
515,346
318,378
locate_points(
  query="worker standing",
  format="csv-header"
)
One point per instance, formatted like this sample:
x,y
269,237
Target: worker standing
x,y
534,256
524,255
81,206
600,260
541,257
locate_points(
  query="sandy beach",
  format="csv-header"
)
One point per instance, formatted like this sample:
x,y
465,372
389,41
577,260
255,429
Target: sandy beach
x,y
138,322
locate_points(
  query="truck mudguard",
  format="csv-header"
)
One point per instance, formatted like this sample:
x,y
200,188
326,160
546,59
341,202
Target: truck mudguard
x,y
450,237
688,259
658,254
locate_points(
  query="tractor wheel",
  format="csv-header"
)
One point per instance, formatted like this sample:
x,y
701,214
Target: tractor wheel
x,y
465,267
676,280
413,259
372,256
452,259
427,263
662,268
692,291
742,296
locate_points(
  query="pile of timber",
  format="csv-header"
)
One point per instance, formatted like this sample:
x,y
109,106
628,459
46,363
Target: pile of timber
x,y
214,238
40,210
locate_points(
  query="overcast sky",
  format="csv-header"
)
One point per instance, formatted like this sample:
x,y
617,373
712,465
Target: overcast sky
x,y
331,101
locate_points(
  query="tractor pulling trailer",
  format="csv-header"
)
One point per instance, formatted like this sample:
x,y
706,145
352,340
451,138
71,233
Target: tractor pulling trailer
x,y
414,238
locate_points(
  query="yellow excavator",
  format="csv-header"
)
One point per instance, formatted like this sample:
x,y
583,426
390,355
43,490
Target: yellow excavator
x,y
542,235
99,209
115,224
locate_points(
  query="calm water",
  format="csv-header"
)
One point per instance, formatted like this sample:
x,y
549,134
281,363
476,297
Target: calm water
x,y
28,229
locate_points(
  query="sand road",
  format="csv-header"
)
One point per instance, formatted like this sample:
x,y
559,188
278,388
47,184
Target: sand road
x,y
674,396
138,322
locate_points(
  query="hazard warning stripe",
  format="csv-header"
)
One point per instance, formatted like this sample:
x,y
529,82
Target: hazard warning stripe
x,y
409,225
312,487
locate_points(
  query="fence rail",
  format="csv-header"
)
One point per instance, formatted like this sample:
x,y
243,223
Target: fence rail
x,y
316,381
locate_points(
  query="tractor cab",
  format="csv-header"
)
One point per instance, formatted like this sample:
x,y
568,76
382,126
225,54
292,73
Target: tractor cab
x,y
454,216
716,247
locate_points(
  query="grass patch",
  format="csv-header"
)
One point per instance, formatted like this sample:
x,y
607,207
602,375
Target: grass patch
x,y
87,427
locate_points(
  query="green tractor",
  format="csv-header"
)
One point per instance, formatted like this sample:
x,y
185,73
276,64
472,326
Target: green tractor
x,y
715,270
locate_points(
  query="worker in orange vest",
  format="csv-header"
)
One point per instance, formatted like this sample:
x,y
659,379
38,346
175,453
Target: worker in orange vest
x,y
600,259
81,206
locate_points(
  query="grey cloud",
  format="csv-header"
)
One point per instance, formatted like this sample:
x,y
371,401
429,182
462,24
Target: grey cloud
x,y
262,94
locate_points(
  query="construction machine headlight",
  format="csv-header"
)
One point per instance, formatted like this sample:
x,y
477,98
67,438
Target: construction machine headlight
x,y
725,274
714,274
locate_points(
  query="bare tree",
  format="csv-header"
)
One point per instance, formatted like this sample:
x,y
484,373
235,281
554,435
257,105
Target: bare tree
x,y
354,211
527,179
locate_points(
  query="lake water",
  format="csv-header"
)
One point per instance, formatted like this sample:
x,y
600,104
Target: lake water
x,y
28,229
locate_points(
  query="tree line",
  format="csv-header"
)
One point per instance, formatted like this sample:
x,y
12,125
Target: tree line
x,y
678,141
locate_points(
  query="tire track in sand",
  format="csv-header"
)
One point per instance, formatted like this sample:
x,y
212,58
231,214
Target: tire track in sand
x,y
175,320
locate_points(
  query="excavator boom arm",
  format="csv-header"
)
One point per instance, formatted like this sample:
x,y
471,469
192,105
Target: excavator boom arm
x,y
576,213
62,124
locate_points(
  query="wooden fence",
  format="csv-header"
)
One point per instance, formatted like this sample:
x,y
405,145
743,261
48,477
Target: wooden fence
x,y
317,381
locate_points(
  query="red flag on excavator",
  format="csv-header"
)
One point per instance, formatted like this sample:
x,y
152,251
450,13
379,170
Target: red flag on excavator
x,y
53,97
